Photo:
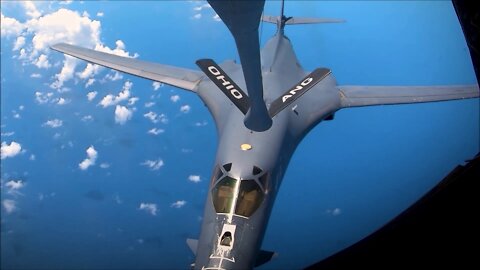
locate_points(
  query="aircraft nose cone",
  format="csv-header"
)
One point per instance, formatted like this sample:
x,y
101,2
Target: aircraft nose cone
x,y
258,119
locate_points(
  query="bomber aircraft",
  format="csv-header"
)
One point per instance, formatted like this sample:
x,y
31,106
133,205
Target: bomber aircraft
x,y
262,107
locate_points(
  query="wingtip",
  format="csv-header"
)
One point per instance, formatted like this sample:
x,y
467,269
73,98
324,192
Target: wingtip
x,y
58,46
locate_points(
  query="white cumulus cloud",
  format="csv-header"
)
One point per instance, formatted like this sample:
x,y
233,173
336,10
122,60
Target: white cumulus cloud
x,y
15,184
178,204
42,98
149,208
31,9
194,178
157,85
154,165
149,104
54,123
185,108
91,95
19,42
110,100
334,211
175,98
10,26
155,131
132,101
92,155
122,114
42,62
10,150
9,205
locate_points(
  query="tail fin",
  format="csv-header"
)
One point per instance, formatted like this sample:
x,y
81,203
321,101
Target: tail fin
x,y
299,20
282,20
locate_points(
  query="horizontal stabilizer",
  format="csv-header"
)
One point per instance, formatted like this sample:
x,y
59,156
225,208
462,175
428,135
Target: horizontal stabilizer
x,y
193,245
298,90
299,20
175,76
225,84
356,96
264,257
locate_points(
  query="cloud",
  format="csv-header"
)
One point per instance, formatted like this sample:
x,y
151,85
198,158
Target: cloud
x,y
155,118
155,131
132,101
194,178
157,85
175,98
149,104
197,16
42,62
92,155
89,82
32,157
19,42
149,207
42,98
201,124
152,116
122,114
54,123
104,165
10,26
35,75
154,165
200,8
216,18
114,76
31,9
100,14
66,73
110,100
334,211
10,150
185,108
178,204
63,25
8,134
15,186
16,115
62,101
91,95
89,71
87,118
9,205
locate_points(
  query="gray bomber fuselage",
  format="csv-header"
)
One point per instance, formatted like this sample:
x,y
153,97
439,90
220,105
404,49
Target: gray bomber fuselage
x,y
270,152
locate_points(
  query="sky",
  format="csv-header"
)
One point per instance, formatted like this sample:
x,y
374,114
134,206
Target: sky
x,y
103,170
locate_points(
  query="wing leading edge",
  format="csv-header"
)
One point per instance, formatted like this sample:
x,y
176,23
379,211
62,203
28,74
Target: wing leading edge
x,y
357,96
178,77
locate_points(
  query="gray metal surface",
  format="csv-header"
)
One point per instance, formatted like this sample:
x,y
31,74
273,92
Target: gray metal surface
x,y
355,96
175,76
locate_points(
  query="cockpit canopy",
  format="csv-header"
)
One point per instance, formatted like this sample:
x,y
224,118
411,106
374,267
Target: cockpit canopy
x,y
240,197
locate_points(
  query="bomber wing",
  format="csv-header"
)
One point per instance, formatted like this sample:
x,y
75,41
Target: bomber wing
x,y
356,96
175,76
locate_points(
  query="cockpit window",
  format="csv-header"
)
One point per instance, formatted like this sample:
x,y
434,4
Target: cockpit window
x,y
250,197
223,195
